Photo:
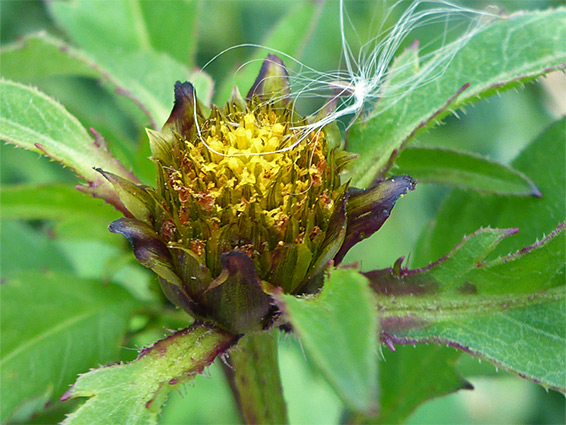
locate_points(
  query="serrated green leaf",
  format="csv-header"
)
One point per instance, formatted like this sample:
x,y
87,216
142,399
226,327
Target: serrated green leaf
x,y
98,107
449,272
53,202
326,327
409,376
463,170
134,393
288,36
54,326
146,77
125,37
543,161
537,267
32,120
40,55
492,309
529,340
533,271
484,64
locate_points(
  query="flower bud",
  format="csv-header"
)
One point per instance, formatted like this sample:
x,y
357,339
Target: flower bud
x,y
247,200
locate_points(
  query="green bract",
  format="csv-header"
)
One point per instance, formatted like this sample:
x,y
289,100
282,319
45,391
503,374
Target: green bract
x,y
246,201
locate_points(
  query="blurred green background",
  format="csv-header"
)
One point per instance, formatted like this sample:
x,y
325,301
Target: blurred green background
x,y
498,128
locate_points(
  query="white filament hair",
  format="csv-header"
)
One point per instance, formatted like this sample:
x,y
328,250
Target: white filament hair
x,y
360,84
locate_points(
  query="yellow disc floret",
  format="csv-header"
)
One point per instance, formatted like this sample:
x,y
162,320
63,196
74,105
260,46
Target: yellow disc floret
x,y
251,174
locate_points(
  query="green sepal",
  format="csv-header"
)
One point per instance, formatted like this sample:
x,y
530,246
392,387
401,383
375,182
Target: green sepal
x,y
191,269
185,109
335,235
272,82
179,297
369,208
289,266
343,159
135,198
331,130
161,147
149,248
236,301
236,100
333,136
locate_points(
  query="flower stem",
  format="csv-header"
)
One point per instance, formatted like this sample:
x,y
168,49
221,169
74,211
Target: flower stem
x,y
255,379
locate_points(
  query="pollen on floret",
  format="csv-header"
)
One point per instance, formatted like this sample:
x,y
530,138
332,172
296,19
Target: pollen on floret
x,y
247,157
249,179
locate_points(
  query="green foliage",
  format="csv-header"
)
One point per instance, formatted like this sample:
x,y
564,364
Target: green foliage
x,y
131,26
119,26
181,19
463,170
56,323
40,56
68,325
145,76
325,323
508,310
527,340
21,243
122,45
134,393
55,202
463,212
529,50
406,381
32,120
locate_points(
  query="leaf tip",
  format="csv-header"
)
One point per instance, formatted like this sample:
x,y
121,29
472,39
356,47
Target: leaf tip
x,y
68,394
509,232
387,339
467,385
535,192
99,141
